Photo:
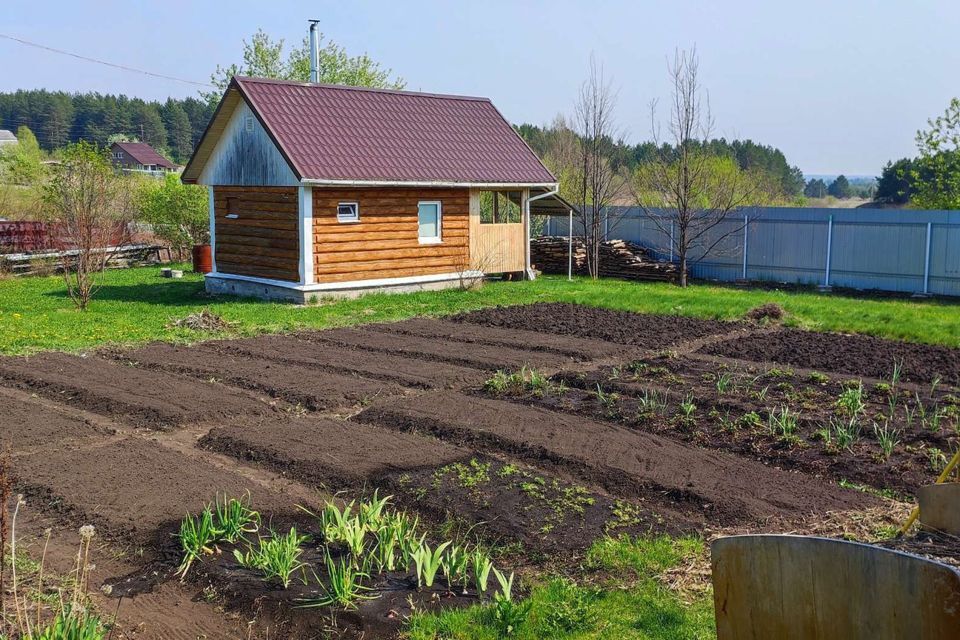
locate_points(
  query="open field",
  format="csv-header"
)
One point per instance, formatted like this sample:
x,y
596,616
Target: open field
x,y
136,306
600,446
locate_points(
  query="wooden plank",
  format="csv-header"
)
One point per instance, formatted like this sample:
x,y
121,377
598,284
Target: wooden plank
x,y
259,232
324,257
266,224
940,507
407,235
383,273
411,263
239,251
331,221
259,241
258,271
804,588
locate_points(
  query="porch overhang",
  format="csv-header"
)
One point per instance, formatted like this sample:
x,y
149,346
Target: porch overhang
x,y
552,205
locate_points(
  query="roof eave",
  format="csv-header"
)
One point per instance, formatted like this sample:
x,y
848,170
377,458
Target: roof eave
x,y
321,182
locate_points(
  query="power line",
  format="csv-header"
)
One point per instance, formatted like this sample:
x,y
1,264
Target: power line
x,y
103,62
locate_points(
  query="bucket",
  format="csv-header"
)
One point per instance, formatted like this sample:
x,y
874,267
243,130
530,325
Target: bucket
x,y
202,258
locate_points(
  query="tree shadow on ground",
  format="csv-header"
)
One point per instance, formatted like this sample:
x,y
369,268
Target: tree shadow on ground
x,y
165,292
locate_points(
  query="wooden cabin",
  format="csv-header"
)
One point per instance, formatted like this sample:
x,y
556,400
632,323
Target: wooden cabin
x,y
320,190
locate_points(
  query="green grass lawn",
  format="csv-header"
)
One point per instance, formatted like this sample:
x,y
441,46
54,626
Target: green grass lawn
x,y
136,305
618,596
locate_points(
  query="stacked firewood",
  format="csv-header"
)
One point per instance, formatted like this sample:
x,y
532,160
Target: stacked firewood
x,y
618,259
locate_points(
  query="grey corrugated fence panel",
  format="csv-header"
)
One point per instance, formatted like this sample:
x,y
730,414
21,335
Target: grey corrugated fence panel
x,y
888,249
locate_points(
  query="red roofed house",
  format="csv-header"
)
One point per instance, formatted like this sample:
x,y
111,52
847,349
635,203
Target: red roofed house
x,y
139,156
321,190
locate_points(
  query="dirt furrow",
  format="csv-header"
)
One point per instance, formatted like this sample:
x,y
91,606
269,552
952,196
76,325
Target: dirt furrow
x,y
298,385
409,372
477,356
577,349
723,488
151,399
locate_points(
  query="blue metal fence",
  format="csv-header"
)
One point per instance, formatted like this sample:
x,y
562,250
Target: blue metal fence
x,y
907,251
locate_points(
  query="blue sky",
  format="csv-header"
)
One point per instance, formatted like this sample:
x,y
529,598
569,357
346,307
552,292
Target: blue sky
x,y
838,86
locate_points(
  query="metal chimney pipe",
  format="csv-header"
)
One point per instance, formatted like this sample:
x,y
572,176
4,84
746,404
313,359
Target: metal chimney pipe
x,y
314,52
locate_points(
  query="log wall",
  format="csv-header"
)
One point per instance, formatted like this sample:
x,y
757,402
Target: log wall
x,y
385,244
263,241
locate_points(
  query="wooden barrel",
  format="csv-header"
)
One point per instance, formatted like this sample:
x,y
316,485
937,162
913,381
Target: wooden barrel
x,y
202,258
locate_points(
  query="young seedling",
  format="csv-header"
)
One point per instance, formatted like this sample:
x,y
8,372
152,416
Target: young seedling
x,y
897,373
197,537
428,563
371,511
724,382
234,518
653,400
607,400
687,407
333,521
887,437
277,557
385,552
354,536
344,588
481,570
508,614
783,422
850,403
846,432
454,565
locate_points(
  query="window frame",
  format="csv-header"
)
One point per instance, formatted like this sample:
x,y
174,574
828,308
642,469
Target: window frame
x,y
438,239
356,213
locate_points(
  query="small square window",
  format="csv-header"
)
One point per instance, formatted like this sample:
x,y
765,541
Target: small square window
x,y
348,212
429,221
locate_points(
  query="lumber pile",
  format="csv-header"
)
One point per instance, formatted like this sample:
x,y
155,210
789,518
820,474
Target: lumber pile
x,y
618,259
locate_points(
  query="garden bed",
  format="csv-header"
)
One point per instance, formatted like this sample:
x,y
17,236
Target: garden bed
x,y
668,475
855,355
646,331
151,399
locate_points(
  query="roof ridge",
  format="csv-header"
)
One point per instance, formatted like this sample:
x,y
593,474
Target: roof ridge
x,y
345,87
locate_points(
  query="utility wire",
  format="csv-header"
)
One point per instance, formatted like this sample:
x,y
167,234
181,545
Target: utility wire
x,y
103,62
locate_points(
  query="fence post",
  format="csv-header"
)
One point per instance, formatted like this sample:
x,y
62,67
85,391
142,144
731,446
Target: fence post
x,y
746,229
826,278
671,241
926,261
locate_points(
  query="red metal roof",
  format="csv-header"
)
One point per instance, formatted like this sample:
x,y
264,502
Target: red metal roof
x,y
143,153
332,132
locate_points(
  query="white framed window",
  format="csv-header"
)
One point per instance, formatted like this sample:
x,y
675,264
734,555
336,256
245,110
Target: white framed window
x,y
348,212
429,221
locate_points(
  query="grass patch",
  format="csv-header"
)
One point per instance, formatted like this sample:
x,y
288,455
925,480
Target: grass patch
x,y
560,608
136,306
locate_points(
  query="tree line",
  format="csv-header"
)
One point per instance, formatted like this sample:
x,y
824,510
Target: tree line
x,y
748,155
58,118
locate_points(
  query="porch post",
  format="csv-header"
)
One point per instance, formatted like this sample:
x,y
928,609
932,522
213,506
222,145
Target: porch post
x,y
306,236
213,229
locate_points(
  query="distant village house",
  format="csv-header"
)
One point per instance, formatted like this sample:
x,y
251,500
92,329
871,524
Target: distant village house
x,y
139,156
7,138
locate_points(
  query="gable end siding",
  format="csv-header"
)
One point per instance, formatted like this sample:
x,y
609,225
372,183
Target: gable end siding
x,y
245,155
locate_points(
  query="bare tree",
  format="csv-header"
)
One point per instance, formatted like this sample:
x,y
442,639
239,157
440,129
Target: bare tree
x,y
595,183
690,195
89,203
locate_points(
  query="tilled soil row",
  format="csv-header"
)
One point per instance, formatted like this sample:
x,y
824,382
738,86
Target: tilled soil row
x,y
855,355
336,454
646,331
143,398
477,356
294,384
408,372
708,485
134,489
28,425
576,349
